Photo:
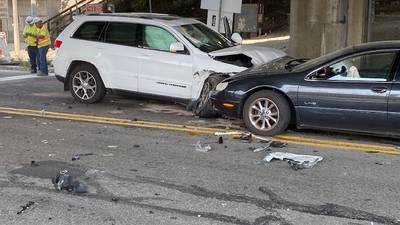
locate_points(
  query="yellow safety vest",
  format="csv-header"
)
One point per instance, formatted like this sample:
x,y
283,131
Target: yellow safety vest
x,y
42,42
29,40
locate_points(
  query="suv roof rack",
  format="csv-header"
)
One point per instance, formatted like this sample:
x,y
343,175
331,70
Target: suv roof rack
x,y
149,16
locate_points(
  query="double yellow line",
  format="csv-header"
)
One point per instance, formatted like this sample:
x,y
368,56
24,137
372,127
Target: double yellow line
x,y
332,144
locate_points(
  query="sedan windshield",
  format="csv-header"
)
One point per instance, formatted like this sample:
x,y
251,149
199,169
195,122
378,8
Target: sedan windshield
x,y
204,38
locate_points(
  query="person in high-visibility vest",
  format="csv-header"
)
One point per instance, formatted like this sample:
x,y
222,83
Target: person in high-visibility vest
x,y
30,36
44,43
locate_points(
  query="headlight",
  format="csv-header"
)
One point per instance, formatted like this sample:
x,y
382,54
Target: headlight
x,y
221,86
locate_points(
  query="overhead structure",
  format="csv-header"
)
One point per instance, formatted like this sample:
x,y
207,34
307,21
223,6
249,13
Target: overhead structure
x,y
219,9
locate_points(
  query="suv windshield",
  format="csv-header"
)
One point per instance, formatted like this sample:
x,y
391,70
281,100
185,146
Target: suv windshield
x,y
204,38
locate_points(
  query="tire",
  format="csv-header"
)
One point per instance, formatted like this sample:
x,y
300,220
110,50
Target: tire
x,y
277,116
204,107
86,85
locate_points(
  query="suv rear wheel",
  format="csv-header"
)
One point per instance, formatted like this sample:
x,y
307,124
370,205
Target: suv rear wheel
x,y
266,113
86,85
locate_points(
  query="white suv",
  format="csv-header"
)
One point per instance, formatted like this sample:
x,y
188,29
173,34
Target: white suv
x,y
151,54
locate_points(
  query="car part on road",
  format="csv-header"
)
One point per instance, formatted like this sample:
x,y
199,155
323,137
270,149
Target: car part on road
x,y
278,144
295,161
86,85
25,207
200,148
220,140
204,107
261,149
248,138
266,113
76,157
64,181
34,163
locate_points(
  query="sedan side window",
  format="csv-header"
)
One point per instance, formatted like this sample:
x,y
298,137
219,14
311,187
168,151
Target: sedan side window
x,y
122,34
371,67
157,38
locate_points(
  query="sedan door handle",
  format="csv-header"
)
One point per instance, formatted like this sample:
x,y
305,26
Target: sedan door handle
x,y
379,89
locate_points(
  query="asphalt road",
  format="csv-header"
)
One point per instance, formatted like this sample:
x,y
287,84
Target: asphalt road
x,y
154,175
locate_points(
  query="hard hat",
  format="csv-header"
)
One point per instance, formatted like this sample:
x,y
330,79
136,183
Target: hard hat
x,y
29,20
37,19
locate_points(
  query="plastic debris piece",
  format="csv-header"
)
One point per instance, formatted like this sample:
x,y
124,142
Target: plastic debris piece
x,y
278,144
7,117
25,207
108,155
220,140
200,148
248,138
64,181
295,161
227,133
34,163
76,157
260,149
112,146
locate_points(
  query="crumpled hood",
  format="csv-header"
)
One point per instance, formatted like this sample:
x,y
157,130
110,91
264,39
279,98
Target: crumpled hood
x,y
259,54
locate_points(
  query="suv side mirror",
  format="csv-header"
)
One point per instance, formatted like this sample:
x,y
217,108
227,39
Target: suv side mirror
x,y
237,38
176,47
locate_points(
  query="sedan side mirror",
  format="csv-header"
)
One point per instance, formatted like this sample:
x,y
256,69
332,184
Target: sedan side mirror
x,y
237,38
176,47
319,75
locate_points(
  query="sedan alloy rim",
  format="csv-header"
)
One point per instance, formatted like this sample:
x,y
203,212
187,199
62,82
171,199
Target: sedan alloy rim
x,y
264,114
84,85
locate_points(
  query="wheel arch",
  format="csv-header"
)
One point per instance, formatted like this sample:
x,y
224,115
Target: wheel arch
x,y
72,66
293,119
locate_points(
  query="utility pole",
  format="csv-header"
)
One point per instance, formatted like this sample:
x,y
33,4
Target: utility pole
x,y
33,8
16,26
150,7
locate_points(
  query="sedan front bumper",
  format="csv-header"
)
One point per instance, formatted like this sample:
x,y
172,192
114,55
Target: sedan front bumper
x,y
224,105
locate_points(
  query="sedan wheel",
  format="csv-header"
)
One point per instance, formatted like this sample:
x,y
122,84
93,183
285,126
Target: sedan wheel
x,y
266,113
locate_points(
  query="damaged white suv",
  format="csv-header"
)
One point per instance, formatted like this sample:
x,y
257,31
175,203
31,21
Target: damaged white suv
x,y
151,54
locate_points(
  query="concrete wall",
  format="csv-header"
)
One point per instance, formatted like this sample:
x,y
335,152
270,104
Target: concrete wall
x,y
318,27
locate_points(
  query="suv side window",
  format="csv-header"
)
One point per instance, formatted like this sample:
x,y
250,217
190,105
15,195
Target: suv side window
x,y
90,31
123,34
157,38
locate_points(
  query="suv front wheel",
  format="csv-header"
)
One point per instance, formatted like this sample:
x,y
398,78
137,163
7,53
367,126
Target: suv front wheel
x,y
86,85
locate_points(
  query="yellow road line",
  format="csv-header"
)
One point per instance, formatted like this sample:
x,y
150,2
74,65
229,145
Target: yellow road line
x,y
200,130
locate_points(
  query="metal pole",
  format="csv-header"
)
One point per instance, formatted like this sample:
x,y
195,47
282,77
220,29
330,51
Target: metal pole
x,y
33,8
219,15
16,26
150,7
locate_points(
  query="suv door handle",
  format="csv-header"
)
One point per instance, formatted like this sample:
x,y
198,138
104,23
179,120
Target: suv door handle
x,y
379,89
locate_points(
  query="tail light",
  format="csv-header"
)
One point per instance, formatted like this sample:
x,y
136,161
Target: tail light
x,y
57,43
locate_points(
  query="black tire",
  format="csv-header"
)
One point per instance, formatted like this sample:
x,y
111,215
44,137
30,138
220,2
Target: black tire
x,y
279,106
93,95
204,107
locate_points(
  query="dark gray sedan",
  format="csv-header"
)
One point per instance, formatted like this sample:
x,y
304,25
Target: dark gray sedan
x,y
354,89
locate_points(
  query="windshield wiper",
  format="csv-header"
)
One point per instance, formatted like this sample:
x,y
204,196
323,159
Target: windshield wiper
x,y
295,62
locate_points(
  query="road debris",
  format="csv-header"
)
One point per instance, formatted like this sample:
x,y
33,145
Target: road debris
x,y
227,133
7,117
220,140
34,163
248,138
261,149
295,161
25,207
108,155
200,148
278,144
78,156
65,181
112,146
45,141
